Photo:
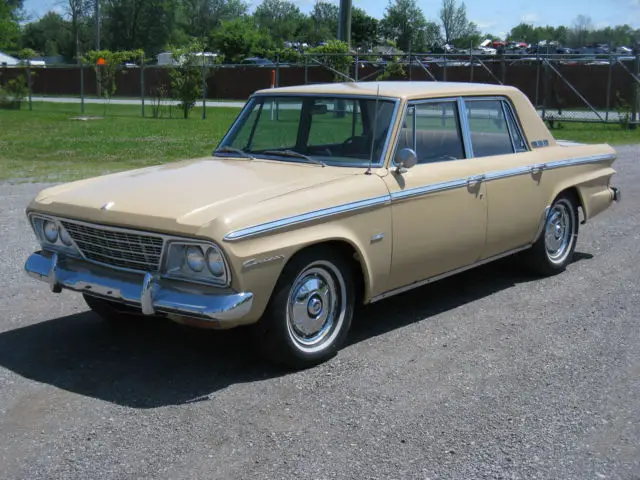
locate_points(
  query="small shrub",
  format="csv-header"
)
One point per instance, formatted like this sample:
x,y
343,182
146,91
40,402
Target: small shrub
x,y
341,63
159,101
624,111
186,77
13,93
393,70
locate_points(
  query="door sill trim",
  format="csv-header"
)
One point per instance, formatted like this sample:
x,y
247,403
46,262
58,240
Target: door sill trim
x,y
450,273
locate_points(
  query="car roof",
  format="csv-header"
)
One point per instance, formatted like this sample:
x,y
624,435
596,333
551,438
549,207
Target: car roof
x,y
394,89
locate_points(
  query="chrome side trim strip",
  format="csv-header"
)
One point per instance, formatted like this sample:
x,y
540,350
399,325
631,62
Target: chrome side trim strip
x,y
580,161
269,227
512,172
435,278
403,195
436,187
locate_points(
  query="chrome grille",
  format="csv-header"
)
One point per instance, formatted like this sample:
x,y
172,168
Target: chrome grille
x,y
115,247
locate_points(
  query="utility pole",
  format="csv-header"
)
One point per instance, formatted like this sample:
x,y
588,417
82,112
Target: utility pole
x,y
97,20
344,21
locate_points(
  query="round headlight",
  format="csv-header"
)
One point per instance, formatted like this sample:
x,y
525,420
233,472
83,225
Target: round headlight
x,y
50,231
195,258
65,238
215,263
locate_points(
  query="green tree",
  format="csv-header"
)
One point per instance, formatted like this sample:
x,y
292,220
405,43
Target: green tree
x,y
50,36
471,39
134,24
200,17
404,23
106,64
582,27
282,19
523,32
78,12
340,63
9,24
364,29
455,24
236,39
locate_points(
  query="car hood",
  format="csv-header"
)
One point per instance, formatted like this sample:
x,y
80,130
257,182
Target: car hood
x,y
182,196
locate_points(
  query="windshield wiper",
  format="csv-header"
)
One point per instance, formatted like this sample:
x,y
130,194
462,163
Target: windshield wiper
x,y
227,149
292,153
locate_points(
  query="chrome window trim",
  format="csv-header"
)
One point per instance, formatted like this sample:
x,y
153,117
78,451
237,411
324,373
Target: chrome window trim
x,y
416,103
509,129
166,239
465,127
516,120
323,213
490,98
246,110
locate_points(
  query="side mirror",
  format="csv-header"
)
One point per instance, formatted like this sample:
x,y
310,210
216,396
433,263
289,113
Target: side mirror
x,y
406,159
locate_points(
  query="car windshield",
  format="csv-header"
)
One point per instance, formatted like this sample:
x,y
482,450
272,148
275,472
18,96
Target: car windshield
x,y
341,131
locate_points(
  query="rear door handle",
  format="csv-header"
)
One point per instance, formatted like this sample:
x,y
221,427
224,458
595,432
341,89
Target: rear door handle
x,y
473,181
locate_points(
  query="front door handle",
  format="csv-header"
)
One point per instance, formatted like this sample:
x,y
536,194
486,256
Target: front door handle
x,y
536,169
473,181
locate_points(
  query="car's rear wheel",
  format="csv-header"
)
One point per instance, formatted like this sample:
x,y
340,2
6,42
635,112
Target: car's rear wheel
x,y
554,249
310,311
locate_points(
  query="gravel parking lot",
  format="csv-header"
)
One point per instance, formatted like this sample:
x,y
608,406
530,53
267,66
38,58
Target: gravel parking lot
x,y
490,374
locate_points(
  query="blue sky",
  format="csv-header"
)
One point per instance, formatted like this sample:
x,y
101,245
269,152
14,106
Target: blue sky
x,y
493,16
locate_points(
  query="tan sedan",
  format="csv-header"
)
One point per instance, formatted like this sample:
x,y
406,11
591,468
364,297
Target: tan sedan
x,y
320,198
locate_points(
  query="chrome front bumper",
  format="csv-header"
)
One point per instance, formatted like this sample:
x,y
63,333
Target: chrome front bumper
x,y
151,293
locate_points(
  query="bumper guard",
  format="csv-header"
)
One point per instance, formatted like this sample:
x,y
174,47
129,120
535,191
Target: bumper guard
x,y
150,292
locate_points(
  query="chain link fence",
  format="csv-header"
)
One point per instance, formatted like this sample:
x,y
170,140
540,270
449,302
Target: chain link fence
x,y
595,88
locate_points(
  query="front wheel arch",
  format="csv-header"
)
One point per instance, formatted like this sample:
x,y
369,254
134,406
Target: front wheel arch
x,y
350,253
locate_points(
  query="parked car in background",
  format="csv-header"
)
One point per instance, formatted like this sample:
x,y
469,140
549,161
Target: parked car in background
x,y
318,199
262,62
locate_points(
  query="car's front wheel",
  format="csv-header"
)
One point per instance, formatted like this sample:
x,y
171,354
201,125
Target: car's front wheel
x,y
310,311
554,249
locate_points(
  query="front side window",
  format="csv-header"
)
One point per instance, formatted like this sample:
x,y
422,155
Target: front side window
x,y
433,130
345,131
488,128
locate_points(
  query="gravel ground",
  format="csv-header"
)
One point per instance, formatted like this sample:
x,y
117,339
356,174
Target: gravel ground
x,y
490,374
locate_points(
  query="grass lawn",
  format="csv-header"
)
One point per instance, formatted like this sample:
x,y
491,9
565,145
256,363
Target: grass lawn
x,y
46,145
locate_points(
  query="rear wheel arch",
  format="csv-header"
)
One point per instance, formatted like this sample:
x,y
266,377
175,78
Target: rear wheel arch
x,y
574,192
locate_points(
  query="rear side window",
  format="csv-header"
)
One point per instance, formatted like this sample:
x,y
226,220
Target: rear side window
x,y
519,142
488,128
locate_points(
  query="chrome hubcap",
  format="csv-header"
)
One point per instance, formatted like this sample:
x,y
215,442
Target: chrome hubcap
x,y
558,232
315,307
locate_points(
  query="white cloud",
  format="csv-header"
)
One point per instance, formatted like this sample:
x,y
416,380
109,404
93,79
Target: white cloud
x,y
529,18
485,25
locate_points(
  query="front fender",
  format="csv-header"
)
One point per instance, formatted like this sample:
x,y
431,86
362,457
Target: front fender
x,y
257,263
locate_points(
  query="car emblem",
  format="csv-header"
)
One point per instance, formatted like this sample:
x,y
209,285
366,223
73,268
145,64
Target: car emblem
x,y
106,206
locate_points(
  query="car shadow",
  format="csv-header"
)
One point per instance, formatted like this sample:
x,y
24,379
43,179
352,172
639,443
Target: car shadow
x,y
157,362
